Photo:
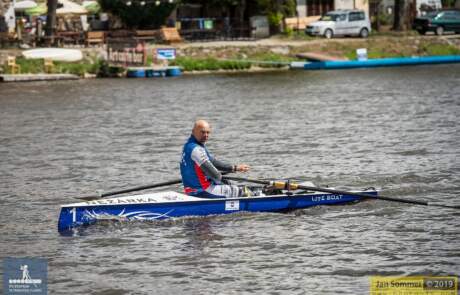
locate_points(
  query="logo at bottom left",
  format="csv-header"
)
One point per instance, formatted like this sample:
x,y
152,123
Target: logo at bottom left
x,y
25,275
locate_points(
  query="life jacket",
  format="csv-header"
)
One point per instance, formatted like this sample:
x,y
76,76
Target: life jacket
x,y
193,155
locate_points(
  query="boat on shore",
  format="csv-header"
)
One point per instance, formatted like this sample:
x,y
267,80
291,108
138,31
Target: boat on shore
x,y
170,204
55,54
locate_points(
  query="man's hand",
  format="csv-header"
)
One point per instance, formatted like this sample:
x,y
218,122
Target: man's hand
x,y
242,168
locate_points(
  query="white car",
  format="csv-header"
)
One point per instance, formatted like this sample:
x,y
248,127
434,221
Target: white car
x,y
341,22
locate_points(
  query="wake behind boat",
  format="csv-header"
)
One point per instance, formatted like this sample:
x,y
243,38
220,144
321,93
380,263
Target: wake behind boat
x,y
170,204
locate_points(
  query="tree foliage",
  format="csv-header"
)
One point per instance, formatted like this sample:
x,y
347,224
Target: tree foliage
x,y
286,7
448,3
137,16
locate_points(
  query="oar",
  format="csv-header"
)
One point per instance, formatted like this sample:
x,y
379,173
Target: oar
x,y
128,190
294,186
135,189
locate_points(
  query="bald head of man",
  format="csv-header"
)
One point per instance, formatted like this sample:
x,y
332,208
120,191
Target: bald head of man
x,y
201,131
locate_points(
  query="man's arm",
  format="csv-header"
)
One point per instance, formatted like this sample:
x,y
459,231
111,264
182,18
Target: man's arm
x,y
200,157
225,167
211,171
222,166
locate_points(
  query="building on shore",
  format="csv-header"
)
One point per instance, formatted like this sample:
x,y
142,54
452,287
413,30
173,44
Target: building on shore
x,y
319,7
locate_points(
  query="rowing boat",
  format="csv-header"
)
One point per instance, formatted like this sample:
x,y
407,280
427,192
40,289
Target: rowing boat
x,y
170,204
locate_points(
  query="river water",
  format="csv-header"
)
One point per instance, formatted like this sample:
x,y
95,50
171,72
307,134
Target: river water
x,y
395,129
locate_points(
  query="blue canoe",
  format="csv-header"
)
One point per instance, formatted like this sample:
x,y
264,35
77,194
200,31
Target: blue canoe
x,y
162,205
378,62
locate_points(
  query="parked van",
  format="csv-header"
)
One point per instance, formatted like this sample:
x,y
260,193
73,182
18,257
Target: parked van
x,y
341,22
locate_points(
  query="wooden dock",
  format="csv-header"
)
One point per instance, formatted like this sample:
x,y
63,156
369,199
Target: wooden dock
x,y
36,77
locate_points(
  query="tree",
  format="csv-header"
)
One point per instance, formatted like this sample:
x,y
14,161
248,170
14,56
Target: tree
x,y
448,3
399,15
3,8
226,6
276,11
140,14
51,19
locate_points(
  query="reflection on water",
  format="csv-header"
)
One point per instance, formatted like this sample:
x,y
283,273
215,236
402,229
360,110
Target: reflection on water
x,y
395,129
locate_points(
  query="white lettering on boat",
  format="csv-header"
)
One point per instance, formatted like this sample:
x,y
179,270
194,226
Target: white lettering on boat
x,y
123,201
170,198
334,197
326,198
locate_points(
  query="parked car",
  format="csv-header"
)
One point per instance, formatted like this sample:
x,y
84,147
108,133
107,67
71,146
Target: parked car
x,y
438,22
341,22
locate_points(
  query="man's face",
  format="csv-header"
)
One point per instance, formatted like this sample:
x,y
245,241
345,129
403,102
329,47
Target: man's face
x,y
202,133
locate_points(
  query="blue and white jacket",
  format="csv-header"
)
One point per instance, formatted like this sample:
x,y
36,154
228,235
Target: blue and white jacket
x,y
199,169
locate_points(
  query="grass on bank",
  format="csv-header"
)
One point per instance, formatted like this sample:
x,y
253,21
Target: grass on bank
x,y
189,64
37,66
381,46
393,49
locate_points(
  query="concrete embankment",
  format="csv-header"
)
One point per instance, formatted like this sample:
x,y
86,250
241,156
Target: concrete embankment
x,y
36,77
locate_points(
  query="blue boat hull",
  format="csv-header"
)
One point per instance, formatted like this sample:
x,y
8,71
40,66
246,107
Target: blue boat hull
x,y
382,62
90,212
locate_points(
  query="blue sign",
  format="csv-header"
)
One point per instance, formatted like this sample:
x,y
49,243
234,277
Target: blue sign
x,y
25,276
166,53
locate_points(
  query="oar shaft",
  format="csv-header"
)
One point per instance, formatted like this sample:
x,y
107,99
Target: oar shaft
x,y
143,187
362,195
139,188
294,186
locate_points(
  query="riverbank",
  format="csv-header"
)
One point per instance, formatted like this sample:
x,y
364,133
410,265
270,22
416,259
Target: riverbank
x,y
280,48
253,56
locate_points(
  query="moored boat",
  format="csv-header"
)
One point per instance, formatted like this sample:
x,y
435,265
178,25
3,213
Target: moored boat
x,y
377,62
170,204
55,54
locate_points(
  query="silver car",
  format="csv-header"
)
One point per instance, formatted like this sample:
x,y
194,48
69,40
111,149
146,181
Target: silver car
x,y
341,22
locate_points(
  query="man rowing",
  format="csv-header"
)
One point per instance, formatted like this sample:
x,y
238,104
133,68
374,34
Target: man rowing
x,y
201,172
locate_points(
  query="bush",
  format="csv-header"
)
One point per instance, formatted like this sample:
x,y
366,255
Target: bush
x,y
209,64
440,49
275,19
289,32
32,66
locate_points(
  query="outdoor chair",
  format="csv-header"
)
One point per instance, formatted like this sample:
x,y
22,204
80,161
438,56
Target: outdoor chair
x,y
48,65
95,37
13,68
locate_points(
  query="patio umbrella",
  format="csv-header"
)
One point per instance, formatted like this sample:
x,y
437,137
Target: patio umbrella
x,y
69,7
23,5
92,7
40,9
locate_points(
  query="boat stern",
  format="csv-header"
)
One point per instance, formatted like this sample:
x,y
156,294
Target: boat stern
x,y
71,217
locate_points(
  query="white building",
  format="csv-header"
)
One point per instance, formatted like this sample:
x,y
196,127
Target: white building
x,y
319,7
